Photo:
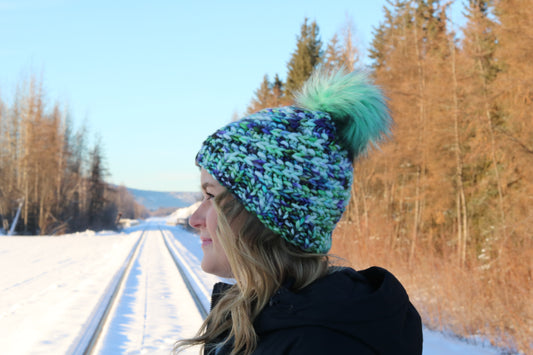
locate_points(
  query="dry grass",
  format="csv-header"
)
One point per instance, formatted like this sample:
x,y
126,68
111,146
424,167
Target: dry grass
x,y
491,301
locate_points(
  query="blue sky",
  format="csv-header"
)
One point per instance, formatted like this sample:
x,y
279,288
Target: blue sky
x,y
154,78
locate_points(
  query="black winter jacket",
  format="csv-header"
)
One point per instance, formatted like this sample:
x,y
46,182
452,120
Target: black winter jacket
x,y
346,312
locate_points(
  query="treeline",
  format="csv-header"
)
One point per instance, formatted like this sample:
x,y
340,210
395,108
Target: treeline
x,y
48,169
458,175
447,202
309,53
454,187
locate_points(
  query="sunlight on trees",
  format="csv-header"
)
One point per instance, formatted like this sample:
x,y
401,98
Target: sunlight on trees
x,y
48,167
446,203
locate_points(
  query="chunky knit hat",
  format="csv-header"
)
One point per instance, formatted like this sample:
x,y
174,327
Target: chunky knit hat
x,y
292,166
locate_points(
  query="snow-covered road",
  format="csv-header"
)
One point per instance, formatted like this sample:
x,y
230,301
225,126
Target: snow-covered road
x,y
50,287
153,311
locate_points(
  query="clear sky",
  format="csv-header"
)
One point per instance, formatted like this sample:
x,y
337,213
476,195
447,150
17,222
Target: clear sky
x,y
154,78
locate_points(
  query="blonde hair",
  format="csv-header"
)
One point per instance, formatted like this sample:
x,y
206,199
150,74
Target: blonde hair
x,y
261,261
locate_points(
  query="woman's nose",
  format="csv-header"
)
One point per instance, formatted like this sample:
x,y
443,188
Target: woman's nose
x,y
197,220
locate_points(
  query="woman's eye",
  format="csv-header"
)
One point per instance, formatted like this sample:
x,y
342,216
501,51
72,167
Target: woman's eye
x,y
208,196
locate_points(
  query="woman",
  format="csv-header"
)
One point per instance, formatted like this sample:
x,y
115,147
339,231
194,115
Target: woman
x,y
275,184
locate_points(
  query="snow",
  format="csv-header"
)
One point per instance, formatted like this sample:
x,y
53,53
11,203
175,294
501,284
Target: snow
x,y
154,294
181,215
50,286
436,343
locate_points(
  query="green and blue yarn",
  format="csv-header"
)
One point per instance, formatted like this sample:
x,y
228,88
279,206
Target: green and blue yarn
x,y
292,166
357,107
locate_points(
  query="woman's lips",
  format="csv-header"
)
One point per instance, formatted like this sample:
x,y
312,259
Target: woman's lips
x,y
206,241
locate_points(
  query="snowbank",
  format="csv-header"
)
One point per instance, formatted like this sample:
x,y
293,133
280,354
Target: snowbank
x,y
181,215
127,223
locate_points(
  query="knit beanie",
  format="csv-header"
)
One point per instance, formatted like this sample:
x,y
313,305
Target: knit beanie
x,y
292,166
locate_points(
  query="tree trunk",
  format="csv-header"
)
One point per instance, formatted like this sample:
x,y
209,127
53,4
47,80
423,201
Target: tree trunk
x,y
461,212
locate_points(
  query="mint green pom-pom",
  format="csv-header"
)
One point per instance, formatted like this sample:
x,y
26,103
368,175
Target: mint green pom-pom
x,y
357,107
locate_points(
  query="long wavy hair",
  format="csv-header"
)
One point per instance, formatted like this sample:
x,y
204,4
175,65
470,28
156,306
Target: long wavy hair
x,y
260,261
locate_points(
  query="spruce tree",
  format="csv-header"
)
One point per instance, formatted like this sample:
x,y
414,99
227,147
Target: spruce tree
x,y
305,58
269,94
278,97
262,96
96,188
333,55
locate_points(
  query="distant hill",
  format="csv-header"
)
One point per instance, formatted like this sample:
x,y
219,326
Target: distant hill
x,y
155,200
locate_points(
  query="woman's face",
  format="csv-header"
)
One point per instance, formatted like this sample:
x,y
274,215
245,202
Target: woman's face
x,y
205,220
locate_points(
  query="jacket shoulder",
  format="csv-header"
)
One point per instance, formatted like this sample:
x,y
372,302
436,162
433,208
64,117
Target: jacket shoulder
x,y
305,340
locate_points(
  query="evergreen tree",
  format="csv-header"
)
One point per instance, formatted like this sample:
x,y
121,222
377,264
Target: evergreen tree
x,y
96,188
383,40
262,96
269,94
305,58
333,55
278,96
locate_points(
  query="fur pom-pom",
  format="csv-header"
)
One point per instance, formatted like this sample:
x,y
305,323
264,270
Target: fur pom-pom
x,y
357,107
